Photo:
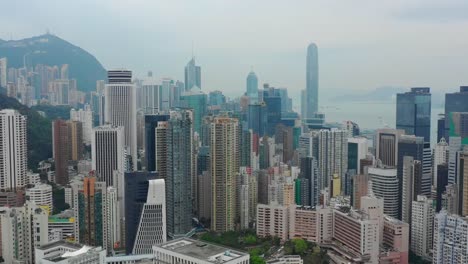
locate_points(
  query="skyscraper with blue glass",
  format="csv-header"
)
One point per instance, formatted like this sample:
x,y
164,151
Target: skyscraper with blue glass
x,y
312,83
413,113
252,87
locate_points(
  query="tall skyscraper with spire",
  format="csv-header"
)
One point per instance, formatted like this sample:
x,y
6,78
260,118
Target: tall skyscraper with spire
x,y
192,75
312,81
252,87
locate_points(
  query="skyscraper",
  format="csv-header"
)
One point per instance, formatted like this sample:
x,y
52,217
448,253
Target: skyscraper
x,y
151,122
84,116
413,112
419,149
273,108
108,152
309,178
411,186
357,150
455,102
387,146
332,155
150,96
252,87
440,157
152,227
23,229
196,100
75,140
61,150
174,150
3,72
13,150
385,185
90,211
136,195
312,80
450,239
257,119
458,125
224,167
422,224
192,75
120,108
462,182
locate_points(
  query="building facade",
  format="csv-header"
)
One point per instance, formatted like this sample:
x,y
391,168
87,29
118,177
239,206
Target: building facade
x,y
13,150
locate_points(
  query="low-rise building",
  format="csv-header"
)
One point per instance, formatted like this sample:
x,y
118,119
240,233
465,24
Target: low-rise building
x,y
288,259
273,220
190,251
61,252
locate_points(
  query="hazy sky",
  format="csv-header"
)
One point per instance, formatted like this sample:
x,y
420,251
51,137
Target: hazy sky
x,y
362,44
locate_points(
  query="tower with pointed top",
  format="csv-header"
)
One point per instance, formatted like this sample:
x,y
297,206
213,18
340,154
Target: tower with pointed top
x,y
192,75
252,87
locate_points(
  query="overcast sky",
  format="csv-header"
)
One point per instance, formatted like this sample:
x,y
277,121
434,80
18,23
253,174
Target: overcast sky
x,y
362,44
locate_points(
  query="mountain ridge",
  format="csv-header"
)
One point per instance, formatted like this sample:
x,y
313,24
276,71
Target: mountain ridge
x,y
52,50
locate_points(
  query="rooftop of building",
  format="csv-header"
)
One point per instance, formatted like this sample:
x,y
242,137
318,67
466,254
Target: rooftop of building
x,y
393,220
202,250
61,243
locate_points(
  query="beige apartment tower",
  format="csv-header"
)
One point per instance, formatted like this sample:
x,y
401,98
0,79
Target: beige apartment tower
x,y
224,150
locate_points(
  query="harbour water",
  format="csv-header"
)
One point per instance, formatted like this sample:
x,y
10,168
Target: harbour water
x,y
371,114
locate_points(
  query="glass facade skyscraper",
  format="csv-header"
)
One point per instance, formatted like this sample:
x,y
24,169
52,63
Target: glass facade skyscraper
x,y
197,101
312,81
257,118
413,113
252,87
455,102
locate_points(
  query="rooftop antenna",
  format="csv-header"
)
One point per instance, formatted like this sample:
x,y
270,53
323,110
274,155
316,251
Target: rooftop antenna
x,y
193,56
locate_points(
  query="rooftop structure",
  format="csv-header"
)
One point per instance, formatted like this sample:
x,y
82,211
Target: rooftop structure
x,y
199,252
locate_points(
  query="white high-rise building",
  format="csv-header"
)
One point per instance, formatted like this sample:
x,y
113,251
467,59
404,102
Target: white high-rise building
x,y
100,102
23,229
454,147
120,109
113,218
152,226
13,150
385,185
3,72
108,152
165,94
41,195
422,224
450,239
150,96
85,116
332,155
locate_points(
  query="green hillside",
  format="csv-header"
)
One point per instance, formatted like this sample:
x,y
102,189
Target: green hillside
x,y
51,50
39,131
